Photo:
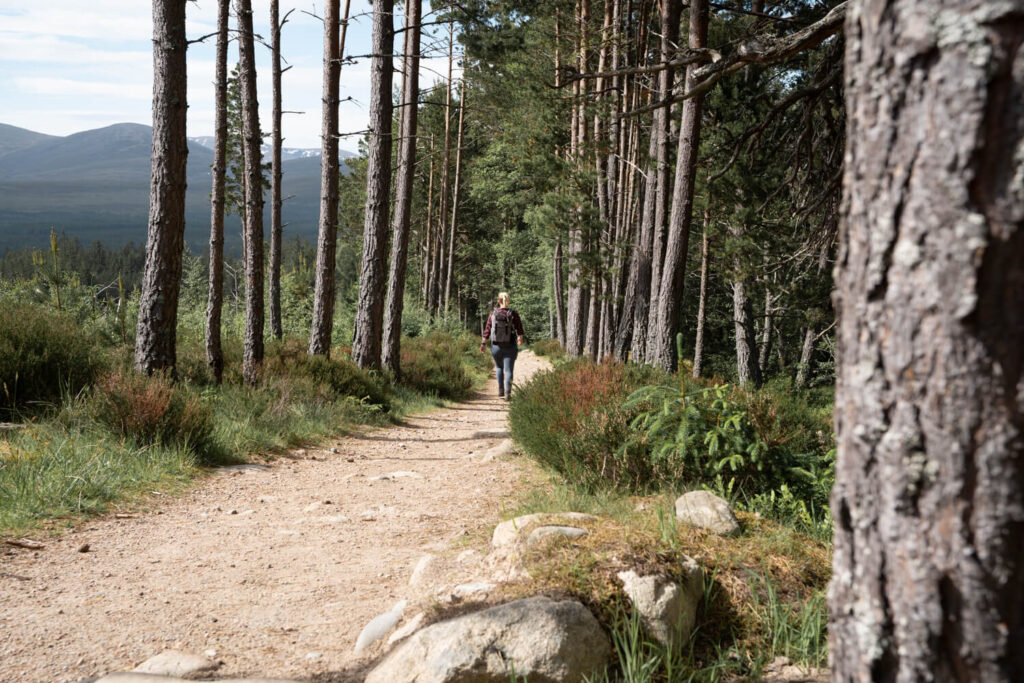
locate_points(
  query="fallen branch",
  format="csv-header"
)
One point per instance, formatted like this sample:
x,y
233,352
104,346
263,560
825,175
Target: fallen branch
x,y
26,543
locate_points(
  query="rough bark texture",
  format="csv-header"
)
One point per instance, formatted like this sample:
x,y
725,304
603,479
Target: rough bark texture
x,y
747,369
369,322
558,292
252,351
323,295
929,499
403,189
662,350
215,298
275,175
158,305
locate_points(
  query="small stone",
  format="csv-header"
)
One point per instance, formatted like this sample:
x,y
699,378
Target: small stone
x,y
705,510
232,512
422,569
314,656
379,626
411,627
469,589
84,548
335,451
210,653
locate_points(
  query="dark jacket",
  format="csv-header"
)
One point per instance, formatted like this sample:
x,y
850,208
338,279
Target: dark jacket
x,y
517,324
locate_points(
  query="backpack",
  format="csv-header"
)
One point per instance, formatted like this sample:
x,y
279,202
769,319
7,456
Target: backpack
x,y
502,331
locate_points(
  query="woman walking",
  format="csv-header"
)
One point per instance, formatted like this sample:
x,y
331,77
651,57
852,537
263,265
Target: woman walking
x,y
504,332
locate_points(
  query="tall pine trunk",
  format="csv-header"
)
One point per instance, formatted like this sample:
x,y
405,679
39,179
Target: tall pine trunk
x,y
275,174
155,337
391,352
252,352
670,294
326,247
369,322
928,580
215,297
455,197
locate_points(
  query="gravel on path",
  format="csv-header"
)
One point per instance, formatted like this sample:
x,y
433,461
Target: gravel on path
x,y
273,570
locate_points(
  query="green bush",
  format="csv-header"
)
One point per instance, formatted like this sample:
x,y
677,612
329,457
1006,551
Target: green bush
x,y
549,348
43,354
152,411
573,420
441,364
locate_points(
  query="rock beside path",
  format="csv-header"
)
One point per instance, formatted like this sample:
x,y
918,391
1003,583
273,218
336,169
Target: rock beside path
x,y
705,510
509,531
136,677
174,663
668,610
539,638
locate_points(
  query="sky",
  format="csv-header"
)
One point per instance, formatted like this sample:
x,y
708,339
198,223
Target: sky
x,y
73,65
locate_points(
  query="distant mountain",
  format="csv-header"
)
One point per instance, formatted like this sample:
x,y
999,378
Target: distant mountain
x,y
13,138
94,185
287,153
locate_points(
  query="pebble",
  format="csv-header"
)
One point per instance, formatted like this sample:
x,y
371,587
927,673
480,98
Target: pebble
x,y
84,548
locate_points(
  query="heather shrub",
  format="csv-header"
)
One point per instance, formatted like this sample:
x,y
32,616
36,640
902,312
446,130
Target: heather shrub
x,y
152,411
573,420
441,364
43,355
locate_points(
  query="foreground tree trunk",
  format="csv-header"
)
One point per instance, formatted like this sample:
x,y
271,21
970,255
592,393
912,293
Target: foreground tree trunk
x,y
155,337
929,498
323,294
252,352
403,190
215,300
455,197
369,323
702,302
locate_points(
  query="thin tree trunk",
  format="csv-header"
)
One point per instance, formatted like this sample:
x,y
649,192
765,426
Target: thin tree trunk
x,y
747,369
559,290
326,248
670,293
215,299
803,368
698,345
252,352
428,255
455,197
445,173
576,320
403,190
275,175
928,580
369,322
764,352
155,338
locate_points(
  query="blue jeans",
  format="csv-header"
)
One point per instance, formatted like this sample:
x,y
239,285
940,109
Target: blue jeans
x,y
504,362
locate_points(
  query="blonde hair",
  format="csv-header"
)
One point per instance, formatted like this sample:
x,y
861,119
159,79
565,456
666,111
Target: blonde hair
x,y
503,299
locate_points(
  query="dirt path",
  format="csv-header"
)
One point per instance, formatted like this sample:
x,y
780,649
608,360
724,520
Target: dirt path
x,y
275,569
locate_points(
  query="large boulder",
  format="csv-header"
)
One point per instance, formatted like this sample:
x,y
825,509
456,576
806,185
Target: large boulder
x,y
667,609
542,640
705,510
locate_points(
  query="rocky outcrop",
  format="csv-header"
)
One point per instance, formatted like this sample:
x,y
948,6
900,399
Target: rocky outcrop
x,y
705,510
539,638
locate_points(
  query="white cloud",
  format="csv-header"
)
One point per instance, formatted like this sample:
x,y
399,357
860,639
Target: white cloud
x,y
69,87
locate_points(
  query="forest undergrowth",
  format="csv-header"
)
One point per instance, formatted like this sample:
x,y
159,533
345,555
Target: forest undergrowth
x,y
84,433
623,441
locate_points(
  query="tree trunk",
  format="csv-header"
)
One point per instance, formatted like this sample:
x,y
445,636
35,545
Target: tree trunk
x,y
928,580
155,337
803,368
403,189
670,294
428,249
275,175
326,247
438,301
455,197
369,322
747,369
559,289
661,130
215,299
698,345
764,352
252,352
576,319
